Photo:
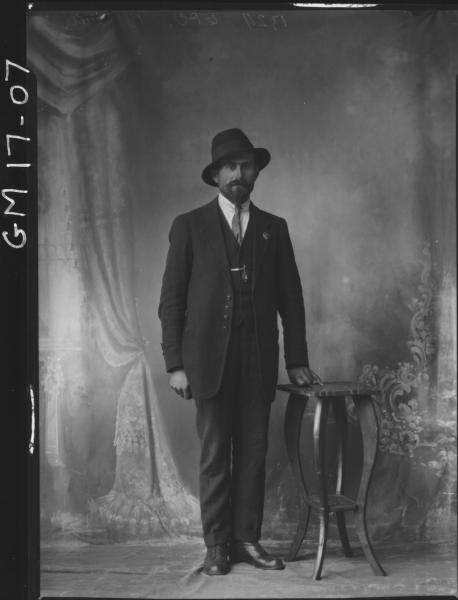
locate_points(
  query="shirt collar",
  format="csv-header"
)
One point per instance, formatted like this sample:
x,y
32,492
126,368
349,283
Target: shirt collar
x,y
226,204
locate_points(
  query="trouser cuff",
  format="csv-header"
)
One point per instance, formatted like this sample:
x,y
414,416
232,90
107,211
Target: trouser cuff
x,y
216,538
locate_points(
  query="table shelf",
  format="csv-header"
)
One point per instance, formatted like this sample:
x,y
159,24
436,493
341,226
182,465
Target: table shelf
x,y
336,502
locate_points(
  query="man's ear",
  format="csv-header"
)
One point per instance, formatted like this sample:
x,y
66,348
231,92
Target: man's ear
x,y
256,164
214,174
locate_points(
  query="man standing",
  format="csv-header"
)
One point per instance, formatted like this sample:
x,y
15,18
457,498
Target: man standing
x,y
230,271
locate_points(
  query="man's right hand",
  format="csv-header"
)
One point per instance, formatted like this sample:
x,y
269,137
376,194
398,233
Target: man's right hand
x,y
179,383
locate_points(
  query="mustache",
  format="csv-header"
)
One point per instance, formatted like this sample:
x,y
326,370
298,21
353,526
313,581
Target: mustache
x,y
241,183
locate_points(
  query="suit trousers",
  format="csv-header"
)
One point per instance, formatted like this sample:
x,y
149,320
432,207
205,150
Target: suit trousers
x,y
233,429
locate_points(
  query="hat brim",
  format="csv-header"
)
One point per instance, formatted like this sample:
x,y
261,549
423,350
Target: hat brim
x,y
261,155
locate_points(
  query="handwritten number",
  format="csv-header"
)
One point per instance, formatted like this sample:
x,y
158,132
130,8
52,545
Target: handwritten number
x,y
252,20
10,137
9,64
249,20
23,91
277,18
196,18
261,20
212,19
182,19
19,96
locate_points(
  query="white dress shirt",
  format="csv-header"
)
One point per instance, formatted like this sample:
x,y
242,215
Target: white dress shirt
x,y
229,210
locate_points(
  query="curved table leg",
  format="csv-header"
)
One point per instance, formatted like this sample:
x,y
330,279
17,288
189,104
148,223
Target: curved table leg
x,y
338,405
369,430
319,443
292,428
324,521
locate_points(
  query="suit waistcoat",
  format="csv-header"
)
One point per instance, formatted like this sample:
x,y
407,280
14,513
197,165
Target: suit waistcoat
x,y
238,257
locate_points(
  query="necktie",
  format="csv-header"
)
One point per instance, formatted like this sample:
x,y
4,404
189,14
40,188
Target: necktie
x,y
236,224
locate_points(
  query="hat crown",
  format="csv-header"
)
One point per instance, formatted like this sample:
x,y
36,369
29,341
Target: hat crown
x,y
229,142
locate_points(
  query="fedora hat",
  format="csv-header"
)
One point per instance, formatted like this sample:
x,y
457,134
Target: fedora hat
x,y
228,143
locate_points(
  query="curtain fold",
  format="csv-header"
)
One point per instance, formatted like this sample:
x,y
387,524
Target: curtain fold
x,y
70,58
74,55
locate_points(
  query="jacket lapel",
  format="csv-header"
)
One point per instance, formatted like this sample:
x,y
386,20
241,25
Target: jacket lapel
x,y
213,236
262,235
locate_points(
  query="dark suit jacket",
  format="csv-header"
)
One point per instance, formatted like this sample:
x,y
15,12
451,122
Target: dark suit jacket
x,y
196,303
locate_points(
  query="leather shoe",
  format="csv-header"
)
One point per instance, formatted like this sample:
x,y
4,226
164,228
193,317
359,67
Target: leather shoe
x,y
217,560
254,554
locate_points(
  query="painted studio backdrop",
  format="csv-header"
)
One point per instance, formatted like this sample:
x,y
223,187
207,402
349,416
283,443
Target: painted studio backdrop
x,y
358,112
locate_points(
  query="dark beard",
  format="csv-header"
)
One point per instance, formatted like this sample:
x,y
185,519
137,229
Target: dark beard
x,y
238,194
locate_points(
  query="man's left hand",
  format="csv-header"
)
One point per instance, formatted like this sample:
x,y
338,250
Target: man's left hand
x,y
303,376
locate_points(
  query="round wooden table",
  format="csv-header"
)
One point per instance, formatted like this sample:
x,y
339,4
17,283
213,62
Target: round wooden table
x,y
332,394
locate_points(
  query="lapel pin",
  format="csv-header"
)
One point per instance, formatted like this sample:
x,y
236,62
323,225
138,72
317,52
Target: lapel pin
x,y
265,235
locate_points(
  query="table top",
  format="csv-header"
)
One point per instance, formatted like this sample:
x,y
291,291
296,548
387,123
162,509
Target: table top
x,y
329,388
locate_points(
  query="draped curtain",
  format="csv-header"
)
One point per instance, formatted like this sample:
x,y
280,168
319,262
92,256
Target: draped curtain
x,y
87,304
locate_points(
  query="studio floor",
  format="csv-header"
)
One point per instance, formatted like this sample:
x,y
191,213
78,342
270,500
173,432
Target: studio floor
x,y
172,569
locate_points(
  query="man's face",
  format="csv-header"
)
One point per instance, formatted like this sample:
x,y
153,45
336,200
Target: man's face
x,y
235,177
